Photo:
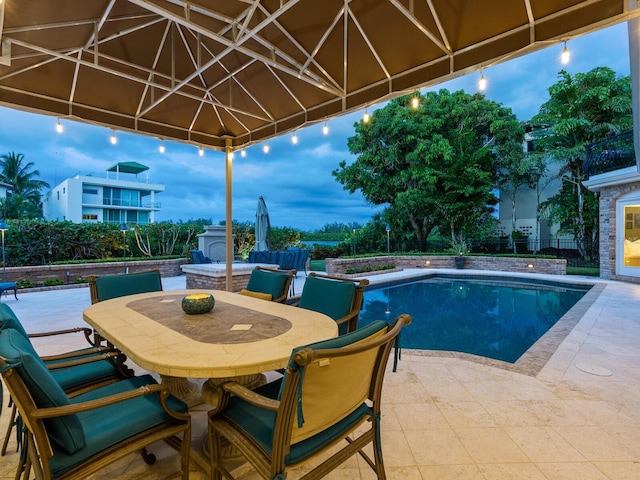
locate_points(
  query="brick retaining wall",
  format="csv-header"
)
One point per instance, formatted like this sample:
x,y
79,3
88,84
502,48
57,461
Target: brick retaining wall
x,y
554,266
38,274
206,282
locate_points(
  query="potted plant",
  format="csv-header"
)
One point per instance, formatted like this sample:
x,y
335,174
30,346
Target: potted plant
x,y
460,246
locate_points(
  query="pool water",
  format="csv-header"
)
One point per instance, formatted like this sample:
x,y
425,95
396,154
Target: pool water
x,y
489,317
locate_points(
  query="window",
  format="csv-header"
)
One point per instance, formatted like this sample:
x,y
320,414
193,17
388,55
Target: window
x,y
631,248
87,216
90,191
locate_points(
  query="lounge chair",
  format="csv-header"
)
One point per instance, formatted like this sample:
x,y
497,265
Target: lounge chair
x,y
329,392
198,257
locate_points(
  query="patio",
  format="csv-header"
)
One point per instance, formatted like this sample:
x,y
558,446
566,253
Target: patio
x,y
447,417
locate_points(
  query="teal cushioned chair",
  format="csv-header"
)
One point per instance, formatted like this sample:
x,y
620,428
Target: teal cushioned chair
x,y
329,390
74,438
74,371
271,282
339,298
113,286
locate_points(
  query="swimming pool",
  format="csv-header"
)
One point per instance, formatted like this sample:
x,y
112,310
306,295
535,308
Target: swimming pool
x,y
489,316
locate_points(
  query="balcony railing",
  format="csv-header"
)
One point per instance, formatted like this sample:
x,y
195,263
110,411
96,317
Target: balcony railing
x,y
609,154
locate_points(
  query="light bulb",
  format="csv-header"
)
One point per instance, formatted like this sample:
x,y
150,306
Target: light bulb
x,y
566,55
482,83
415,102
161,148
325,129
265,148
113,138
243,153
59,127
294,139
366,117
201,151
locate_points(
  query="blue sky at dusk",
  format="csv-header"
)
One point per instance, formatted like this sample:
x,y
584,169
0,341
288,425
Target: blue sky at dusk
x,y
295,180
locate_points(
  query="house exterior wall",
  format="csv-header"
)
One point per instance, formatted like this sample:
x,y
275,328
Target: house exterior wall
x,y
81,199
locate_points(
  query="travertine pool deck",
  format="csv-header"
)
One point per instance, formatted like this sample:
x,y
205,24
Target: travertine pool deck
x,y
571,412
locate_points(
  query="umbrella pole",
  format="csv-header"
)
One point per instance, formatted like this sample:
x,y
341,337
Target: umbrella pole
x,y
229,217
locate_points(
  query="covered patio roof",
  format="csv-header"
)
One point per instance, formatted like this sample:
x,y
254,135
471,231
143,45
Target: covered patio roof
x,y
235,72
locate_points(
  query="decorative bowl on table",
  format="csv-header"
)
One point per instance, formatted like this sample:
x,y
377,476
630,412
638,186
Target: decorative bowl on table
x,y
197,303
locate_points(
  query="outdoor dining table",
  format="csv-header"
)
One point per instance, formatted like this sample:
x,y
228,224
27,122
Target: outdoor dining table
x,y
241,338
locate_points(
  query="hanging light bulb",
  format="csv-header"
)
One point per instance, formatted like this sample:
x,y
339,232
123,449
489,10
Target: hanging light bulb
x,y
161,148
294,138
482,83
243,153
325,129
366,117
566,55
201,151
113,138
415,102
265,148
59,127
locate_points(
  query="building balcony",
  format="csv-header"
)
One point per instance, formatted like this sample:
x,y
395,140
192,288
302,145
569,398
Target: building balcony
x,y
610,154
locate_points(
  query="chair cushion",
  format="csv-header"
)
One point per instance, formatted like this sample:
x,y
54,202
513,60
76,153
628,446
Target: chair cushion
x,y
261,296
328,296
113,286
267,282
83,374
9,319
107,426
65,432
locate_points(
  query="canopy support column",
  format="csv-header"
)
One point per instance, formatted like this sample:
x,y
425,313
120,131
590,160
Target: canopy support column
x,y
229,216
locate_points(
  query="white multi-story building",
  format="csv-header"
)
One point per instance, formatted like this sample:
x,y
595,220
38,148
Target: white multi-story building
x,y
118,197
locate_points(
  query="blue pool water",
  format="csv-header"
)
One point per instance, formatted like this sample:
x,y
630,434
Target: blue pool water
x,y
489,317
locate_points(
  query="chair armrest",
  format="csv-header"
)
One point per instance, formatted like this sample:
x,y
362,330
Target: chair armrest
x,y
227,389
78,353
81,361
163,392
87,333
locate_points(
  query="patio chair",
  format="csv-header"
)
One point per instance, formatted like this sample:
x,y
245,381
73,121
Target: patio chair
x,y
269,284
339,298
197,257
329,390
303,256
113,286
74,438
75,371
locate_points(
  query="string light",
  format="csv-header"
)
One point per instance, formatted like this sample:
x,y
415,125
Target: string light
x,y
325,129
59,127
566,55
415,102
201,151
243,153
161,148
294,139
482,83
265,148
113,139
366,117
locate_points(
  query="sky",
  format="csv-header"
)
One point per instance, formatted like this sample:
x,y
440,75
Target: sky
x,y
295,180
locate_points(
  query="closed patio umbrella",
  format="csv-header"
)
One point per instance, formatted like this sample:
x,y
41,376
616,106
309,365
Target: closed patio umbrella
x,y
263,228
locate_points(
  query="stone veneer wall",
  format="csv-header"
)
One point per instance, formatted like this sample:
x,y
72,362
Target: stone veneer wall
x,y
507,264
607,213
39,273
219,282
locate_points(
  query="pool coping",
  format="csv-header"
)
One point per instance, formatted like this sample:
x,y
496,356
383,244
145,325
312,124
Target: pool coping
x,y
536,357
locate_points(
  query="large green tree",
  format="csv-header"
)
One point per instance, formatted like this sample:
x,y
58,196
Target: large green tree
x,y
582,109
24,199
434,166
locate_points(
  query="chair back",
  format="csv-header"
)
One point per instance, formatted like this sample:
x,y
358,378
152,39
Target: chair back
x,y
113,286
269,284
303,256
335,378
339,298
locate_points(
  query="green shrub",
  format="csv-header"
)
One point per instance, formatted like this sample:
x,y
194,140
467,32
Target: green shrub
x,y
24,283
80,280
50,282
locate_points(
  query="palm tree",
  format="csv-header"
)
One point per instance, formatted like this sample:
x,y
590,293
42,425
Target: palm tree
x,y
26,186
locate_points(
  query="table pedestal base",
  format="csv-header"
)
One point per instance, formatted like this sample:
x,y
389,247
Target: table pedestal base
x,y
184,389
